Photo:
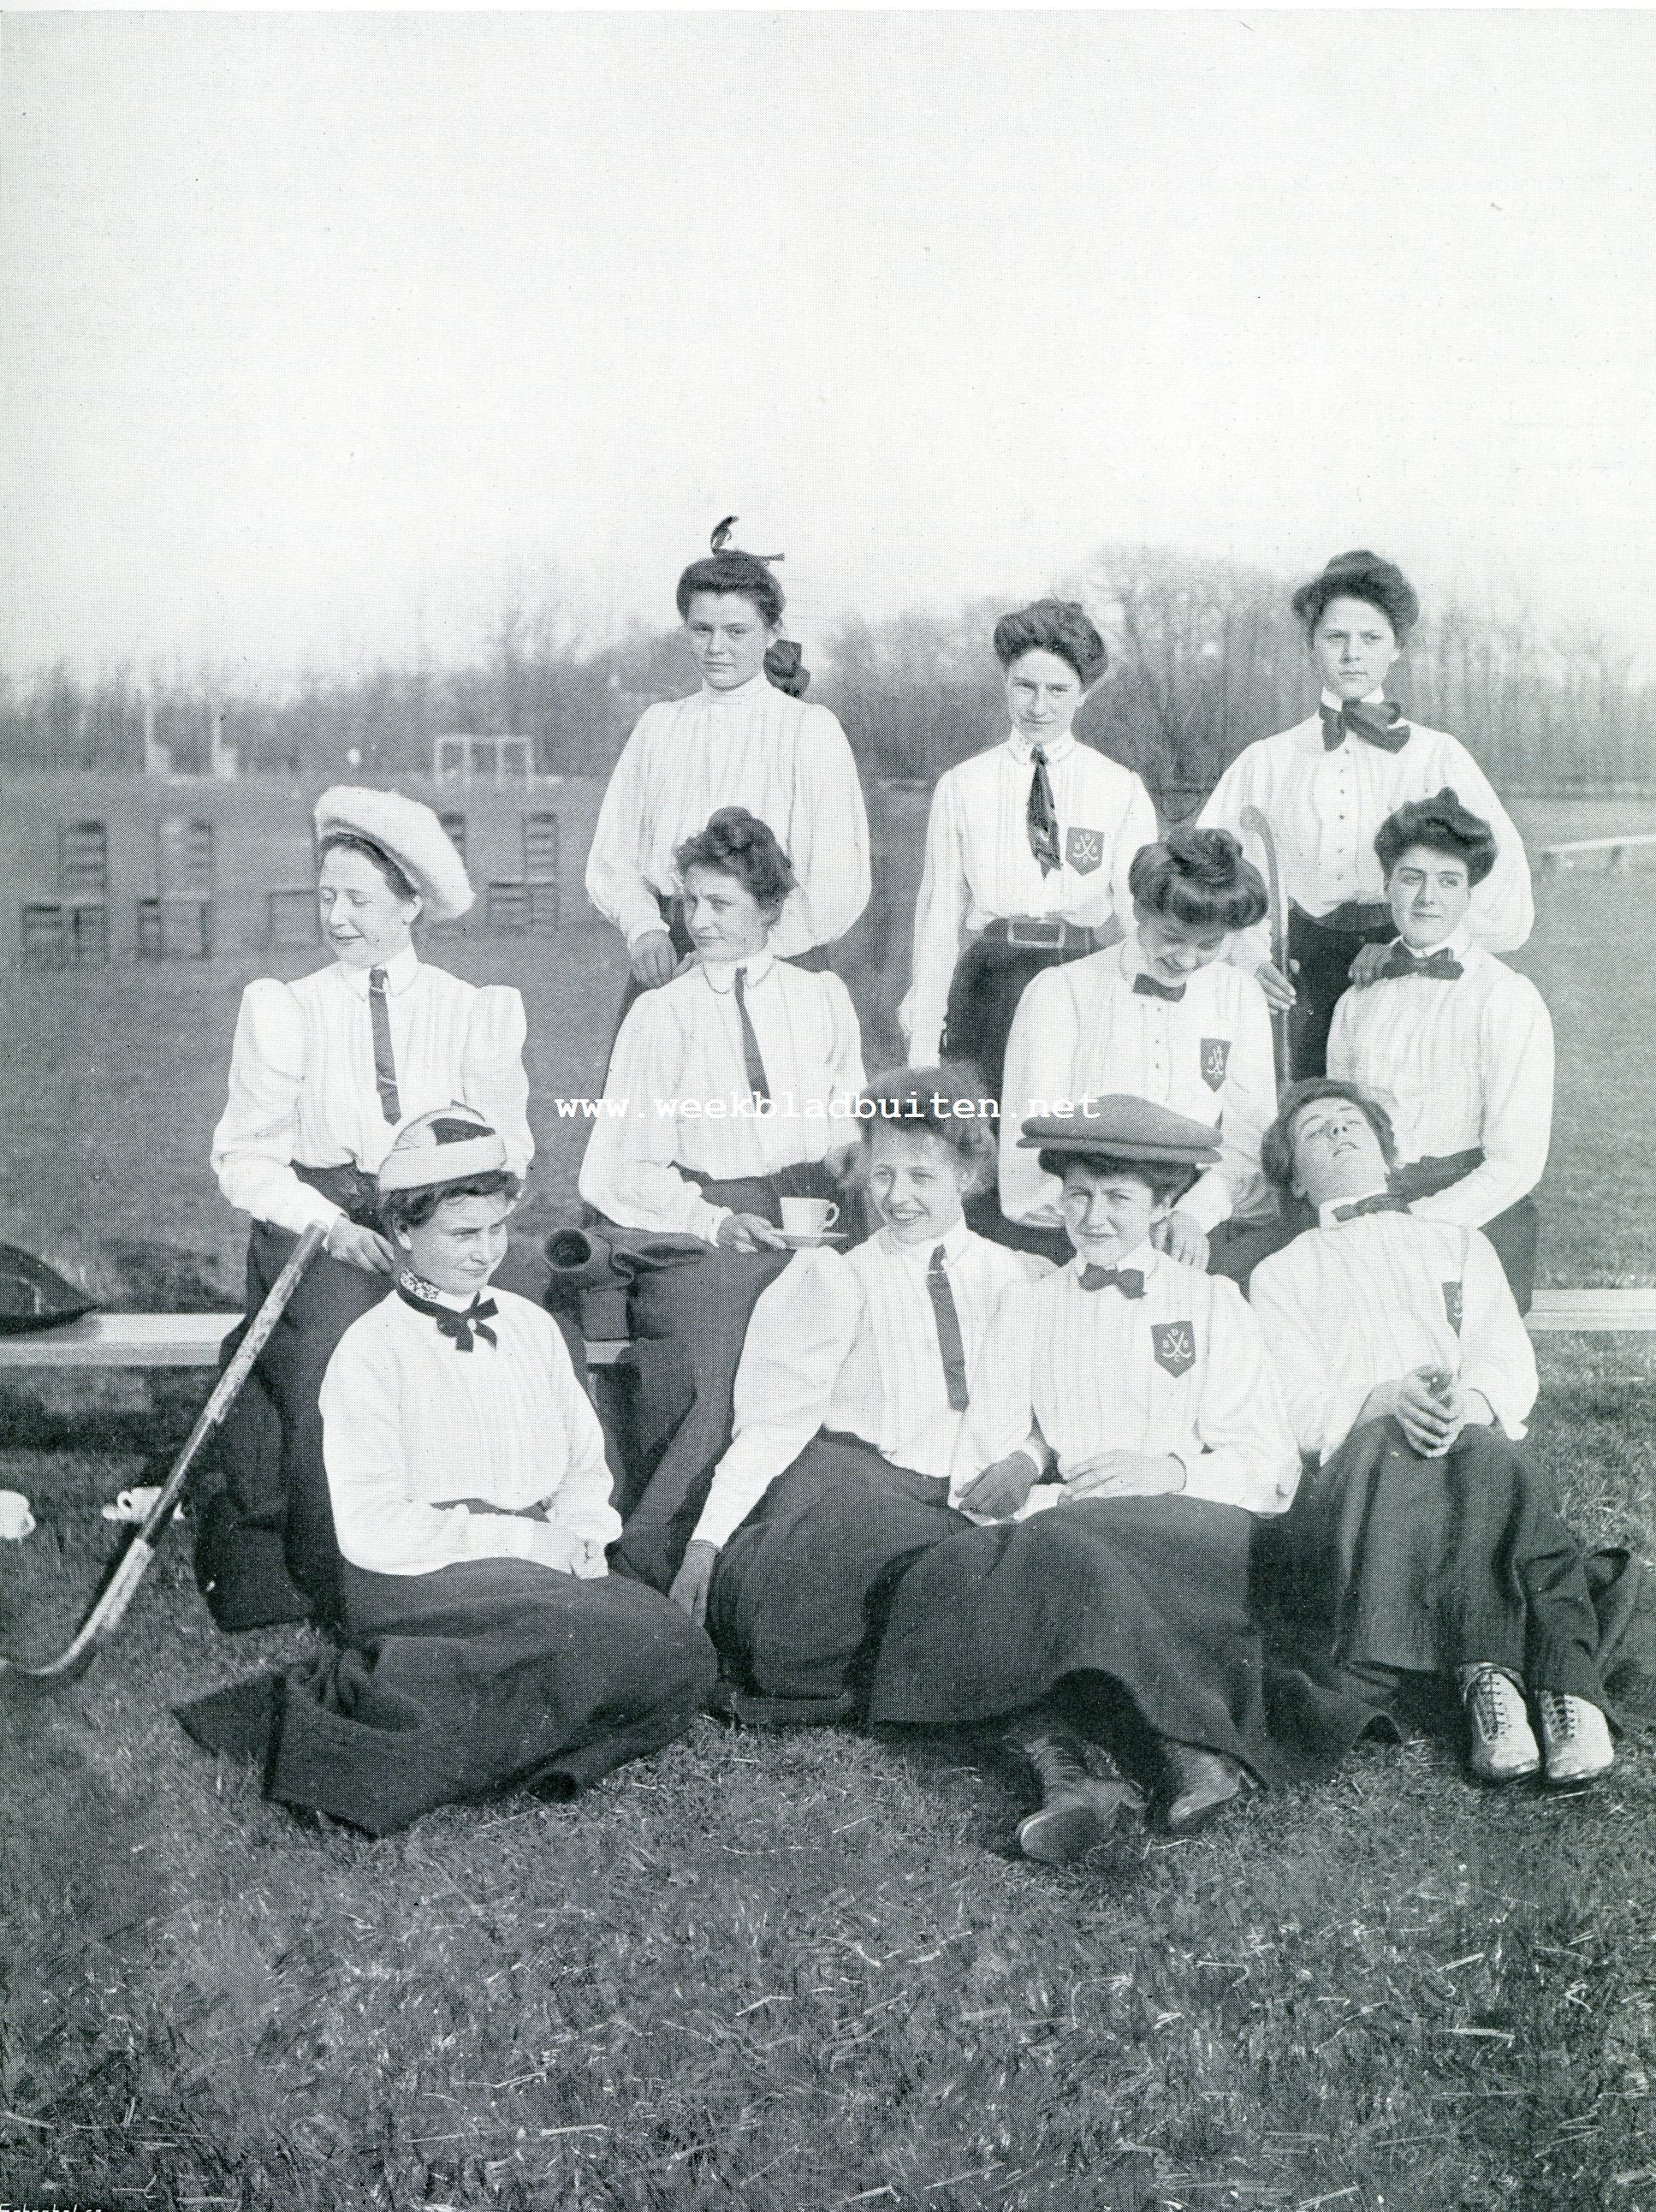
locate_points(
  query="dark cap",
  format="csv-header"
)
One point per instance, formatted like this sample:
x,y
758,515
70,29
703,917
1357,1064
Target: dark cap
x,y
1131,1128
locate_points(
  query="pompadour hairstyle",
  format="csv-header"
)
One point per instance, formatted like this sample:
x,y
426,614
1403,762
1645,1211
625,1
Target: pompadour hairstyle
x,y
1199,877
744,574
1361,574
1441,824
737,844
1059,626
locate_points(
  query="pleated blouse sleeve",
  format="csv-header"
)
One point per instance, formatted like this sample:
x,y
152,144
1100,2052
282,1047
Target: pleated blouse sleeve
x,y
253,1144
493,1079
615,881
829,840
940,914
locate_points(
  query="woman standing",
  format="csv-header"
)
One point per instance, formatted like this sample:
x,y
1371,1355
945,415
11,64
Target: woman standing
x,y
323,1073
1325,786
744,738
1027,850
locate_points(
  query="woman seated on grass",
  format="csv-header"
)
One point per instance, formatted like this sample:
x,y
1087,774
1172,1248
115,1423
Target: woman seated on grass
x,y
488,1648
730,1089
1455,1044
1121,1616
1426,1543
1163,1016
852,1386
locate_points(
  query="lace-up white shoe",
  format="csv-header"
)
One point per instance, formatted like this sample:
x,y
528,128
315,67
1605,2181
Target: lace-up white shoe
x,y
1577,1739
1501,1744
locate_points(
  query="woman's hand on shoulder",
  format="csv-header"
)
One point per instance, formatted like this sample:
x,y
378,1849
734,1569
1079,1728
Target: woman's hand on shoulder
x,y
694,1579
1366,968
1181,1239
359,1247
654,959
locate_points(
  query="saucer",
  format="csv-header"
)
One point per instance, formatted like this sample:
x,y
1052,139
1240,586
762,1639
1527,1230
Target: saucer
x,y
804,1240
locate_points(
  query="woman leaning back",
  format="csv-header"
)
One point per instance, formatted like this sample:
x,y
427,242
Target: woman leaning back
x,y
743,738
324,1072
1325,787
1027,850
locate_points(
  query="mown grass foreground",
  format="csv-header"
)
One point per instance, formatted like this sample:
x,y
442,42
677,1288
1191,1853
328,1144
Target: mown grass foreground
x,y
780,1974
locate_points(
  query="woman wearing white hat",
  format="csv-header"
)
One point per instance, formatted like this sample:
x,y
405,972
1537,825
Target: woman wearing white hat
x,y
323,1073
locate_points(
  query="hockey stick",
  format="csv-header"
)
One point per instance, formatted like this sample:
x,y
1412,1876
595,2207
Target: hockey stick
x,y
1254,823
118,1593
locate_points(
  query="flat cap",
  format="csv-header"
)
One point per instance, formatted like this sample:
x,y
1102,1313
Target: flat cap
x,y
1133,1128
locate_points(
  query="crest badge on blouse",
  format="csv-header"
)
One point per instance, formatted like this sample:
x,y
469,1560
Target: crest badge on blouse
x,y
1173,1343
1084,850
1216,1059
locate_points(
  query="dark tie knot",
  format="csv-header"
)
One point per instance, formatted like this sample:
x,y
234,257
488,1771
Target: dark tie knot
x,y
1438,966
1382,1202
1130,1281
459,1327
1376,722
1147,987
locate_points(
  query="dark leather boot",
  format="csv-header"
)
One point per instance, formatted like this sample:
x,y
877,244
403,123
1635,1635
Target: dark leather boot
x,y
1199,1785
1079,1810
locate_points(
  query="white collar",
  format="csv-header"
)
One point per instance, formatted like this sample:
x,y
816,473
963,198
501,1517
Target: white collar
x,y
721,974
1330,1206
400,972
1023,748
1374,698
920,1255
1143,1256
737,695
1458,942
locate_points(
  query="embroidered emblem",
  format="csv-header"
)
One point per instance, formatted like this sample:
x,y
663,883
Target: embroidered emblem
x,y
1216,1059
1175,1344
1084,850
1453,1305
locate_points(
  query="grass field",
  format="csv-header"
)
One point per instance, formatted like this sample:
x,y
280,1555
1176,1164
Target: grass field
x,y
779,1974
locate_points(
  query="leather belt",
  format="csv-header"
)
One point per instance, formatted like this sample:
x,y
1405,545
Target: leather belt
x,y
1045,932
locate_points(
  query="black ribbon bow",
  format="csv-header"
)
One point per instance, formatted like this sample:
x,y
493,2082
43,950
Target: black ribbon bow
x,y
1148,987
1382,1202
1130,1281
459,1327
1380,724
1438,966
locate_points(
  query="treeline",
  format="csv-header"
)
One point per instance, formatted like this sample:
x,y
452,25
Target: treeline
x,y
1205,657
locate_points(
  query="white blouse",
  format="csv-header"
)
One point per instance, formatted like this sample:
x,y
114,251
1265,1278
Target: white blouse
x,y
411,1425
1354,1303
1458,1064
979,869
1082,1032
785,762
677,1094
302,1083
1325,807
850,1342
1181,1370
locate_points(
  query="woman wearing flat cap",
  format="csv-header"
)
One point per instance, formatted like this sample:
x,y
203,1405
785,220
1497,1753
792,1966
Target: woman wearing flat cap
x,y
1027,852
1326,786
744,737
324,1072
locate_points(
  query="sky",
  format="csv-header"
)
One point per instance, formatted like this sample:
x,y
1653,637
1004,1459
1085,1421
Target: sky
x,y
324,338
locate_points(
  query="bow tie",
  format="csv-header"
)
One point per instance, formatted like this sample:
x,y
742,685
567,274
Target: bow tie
x,y
1130,1281
1148,987
461,1328
1380,725
1384,1201
1438,966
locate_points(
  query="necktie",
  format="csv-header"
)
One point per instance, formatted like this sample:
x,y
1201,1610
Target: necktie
x,y
1438,966
948,1330
1130,1281
1382,1202
460,1328
384,1066
1380,724
752,1060
1148,987
1041,814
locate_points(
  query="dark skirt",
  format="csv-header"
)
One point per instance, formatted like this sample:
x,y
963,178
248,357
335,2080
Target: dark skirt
x,y
1150,1593
492,1675
1515,1233
990,976
264,1538
799,1597
1420,1566
688,1325
1323,950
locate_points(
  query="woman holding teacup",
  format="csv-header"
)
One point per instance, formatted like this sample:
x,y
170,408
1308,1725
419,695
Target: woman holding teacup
x,y
728,1117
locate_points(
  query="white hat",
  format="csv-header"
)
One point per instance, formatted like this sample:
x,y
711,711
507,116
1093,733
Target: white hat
x,y
410,835
445,1146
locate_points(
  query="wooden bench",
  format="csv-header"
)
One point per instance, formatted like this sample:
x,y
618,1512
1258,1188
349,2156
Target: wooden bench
x,y
1616,849
170,1340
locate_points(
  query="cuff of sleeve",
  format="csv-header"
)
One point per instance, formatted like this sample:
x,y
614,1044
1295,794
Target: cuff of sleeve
x,y
644,926
706,1221
508,1534
1209,1202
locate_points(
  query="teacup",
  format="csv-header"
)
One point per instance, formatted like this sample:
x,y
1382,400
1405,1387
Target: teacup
x,y
133,1505
809,1217
17,1521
